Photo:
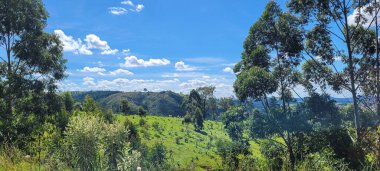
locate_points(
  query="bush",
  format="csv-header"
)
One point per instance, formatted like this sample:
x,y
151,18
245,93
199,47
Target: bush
x,y
82,141
114,140
142,122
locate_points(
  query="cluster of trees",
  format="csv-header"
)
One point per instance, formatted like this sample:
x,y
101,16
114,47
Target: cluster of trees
x,y
201,104
276,47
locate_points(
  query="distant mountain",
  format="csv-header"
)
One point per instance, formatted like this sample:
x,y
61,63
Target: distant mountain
x,y
163,103
156,103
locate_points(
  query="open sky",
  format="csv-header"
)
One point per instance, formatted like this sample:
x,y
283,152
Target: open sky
x,y
155,44
129,45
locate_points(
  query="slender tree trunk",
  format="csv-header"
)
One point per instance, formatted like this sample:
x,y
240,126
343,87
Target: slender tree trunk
x,y
377,63
351,72
8,96
292,157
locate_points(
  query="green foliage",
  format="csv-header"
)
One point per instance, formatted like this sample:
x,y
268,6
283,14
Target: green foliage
x,y
275,153
82,140
158,154
142,112
28,52
68,101
233,122
114,140
255,82
125,107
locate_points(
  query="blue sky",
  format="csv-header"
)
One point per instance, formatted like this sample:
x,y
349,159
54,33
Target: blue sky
x,y
129,45
154,44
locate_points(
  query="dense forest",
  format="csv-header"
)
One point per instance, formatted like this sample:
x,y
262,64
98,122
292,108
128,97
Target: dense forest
x,y
267,125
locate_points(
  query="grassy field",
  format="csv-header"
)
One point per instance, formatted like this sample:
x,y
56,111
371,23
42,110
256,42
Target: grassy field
x,y
189,149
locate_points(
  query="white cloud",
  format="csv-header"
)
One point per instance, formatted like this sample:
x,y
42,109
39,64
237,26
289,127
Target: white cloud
x,y
181,66
229,70
126,51
133,61
109,52
131,7
366,17
139,7
69,43
121,72
94,69
88,81
127,3
117,10
91,42
175,75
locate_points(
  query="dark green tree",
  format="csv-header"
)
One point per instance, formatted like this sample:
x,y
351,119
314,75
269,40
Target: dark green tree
x,y
142,112
68,101
233,120
193,105
158,154
208,104
330,25
125,108
281,34
33,60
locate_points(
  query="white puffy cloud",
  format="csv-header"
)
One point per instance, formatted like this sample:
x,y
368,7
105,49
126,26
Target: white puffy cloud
x,y
88,81
94,69
228,70
181,66
117,10
130,3
91,42
121,72
139,7
69,43
133,61
109,52
366,17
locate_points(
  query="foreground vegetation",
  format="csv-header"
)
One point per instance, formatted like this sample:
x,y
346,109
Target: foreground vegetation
x,y
42,129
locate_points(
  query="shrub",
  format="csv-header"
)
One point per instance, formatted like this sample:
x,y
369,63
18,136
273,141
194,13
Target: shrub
x,y
82,141
177,140
142,122
114,139
129,159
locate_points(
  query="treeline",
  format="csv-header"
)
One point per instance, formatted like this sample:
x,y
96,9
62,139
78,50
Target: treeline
x,y
286,51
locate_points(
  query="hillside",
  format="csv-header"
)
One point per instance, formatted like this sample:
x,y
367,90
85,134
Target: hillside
x,y
193,149
156,103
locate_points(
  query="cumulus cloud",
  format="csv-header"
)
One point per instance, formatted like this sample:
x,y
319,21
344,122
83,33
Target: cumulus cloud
x,y
181,66
88,81
91,42
94,69
139,7
133,61
366,17
130,3
228,70
121,72
117,10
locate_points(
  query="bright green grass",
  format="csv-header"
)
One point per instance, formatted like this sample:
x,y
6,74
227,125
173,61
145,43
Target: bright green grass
x,y
196,153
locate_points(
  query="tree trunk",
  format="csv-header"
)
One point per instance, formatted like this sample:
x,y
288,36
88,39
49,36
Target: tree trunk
x,y
377,63
351,68
9,98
